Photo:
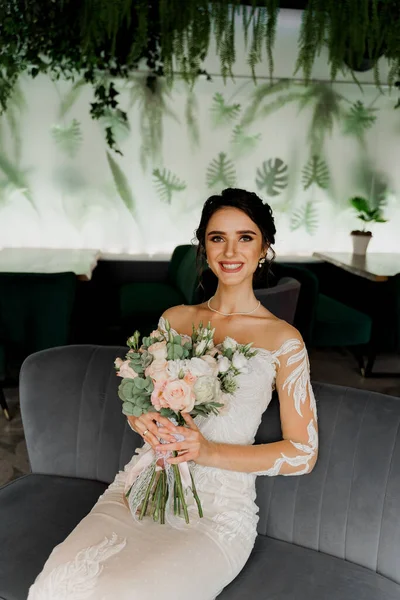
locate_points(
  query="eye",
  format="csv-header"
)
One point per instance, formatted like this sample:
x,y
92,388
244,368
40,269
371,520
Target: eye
x,y
246,238
216,238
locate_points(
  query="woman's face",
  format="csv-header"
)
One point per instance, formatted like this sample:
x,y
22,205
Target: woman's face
x,y
234,245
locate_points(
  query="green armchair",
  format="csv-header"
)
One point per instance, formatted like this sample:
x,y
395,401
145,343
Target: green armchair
x,y
142,303
324,321
35,314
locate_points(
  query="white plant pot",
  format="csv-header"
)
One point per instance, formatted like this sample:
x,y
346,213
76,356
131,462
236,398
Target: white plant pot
x,y
360,244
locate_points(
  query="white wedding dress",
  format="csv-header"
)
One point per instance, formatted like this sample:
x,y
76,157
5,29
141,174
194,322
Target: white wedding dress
x,y
110,556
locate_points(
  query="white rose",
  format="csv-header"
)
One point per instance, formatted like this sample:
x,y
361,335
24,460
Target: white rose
x,y
206,389
239,361
223,364
199,367
201,347
229,344
212,363
175,367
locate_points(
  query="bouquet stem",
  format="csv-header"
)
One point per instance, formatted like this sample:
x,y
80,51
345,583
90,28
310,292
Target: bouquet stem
x,y
196,496
180,492
145,504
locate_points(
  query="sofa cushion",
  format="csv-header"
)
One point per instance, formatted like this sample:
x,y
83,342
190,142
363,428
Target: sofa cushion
x,y
37,513
280,571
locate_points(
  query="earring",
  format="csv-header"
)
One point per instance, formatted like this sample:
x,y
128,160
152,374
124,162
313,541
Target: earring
x,y
261,262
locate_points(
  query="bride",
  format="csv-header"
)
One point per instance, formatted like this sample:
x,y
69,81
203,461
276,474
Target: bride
x,y
109,555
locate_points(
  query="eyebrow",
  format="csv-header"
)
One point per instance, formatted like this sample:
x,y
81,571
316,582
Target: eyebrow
x,y
248,231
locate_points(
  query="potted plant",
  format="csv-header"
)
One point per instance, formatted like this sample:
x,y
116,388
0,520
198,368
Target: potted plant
x,y
366,214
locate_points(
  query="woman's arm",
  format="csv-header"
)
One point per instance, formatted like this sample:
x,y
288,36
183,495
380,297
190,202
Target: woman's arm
x,y
297,452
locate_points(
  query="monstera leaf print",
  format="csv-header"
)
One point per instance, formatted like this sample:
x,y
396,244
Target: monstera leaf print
x,y
272,177
315,171
358,119
122,185
306,217
166,184
221,171
223,113
68,138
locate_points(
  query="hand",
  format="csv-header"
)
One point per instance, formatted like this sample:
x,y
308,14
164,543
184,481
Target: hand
x,y
148,422
194,447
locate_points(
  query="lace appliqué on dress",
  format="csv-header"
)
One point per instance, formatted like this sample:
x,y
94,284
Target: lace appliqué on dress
x,y
298,385
77,578
298,381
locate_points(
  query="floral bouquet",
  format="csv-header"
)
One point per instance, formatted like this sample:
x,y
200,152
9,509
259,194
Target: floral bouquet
x,y
174,374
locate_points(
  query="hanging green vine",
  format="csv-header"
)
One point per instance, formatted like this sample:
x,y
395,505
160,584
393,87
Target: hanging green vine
x,y
101,41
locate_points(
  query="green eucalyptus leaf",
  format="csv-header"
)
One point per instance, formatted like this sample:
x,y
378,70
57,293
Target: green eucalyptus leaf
x,y
131,409
167,412
174,351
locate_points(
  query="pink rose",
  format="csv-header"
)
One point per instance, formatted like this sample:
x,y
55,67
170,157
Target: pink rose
x,y
157,397
155,334
179,396
158,350
189,378
157,370
124,370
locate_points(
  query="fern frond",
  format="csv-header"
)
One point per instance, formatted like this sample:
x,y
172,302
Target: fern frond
x,y
222,113
306,217
221,171
243,142
166,184
358,119
68,138
315,171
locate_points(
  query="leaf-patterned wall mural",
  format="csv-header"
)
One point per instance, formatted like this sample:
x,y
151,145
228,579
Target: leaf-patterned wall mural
x,y
305,149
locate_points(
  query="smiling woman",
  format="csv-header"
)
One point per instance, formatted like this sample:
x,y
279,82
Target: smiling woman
x,y
235,235
110,554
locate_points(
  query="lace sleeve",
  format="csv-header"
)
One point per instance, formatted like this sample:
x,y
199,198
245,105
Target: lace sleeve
x,y
297,453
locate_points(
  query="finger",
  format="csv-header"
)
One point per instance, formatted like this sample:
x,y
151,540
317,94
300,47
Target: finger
x,y
148,431
155,416
185,431
175,460
164,448
190,421
164,433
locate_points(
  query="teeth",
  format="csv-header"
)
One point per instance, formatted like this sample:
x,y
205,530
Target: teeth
x,y
235,266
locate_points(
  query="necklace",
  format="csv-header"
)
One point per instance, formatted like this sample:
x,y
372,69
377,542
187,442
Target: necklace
x,y
234,313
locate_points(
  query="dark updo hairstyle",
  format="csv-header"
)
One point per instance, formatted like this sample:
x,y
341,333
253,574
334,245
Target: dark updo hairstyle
x,y
258,211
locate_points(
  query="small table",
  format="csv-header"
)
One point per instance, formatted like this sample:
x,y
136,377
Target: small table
x,y
49,260
375,267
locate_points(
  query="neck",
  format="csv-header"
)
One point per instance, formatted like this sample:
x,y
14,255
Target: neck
x,y
231,299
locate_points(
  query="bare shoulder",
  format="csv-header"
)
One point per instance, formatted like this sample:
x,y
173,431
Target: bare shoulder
x,y
181,317
278,332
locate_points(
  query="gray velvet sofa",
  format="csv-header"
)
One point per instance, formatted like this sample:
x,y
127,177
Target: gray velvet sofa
x,y
330,535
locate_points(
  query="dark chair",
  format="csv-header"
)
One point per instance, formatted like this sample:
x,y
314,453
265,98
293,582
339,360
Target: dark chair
x,y
35,314
3,401
333,534
282,299
324,321
392,318
141,304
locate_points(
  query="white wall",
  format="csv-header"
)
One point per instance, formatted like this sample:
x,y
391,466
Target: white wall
x,y
58,188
